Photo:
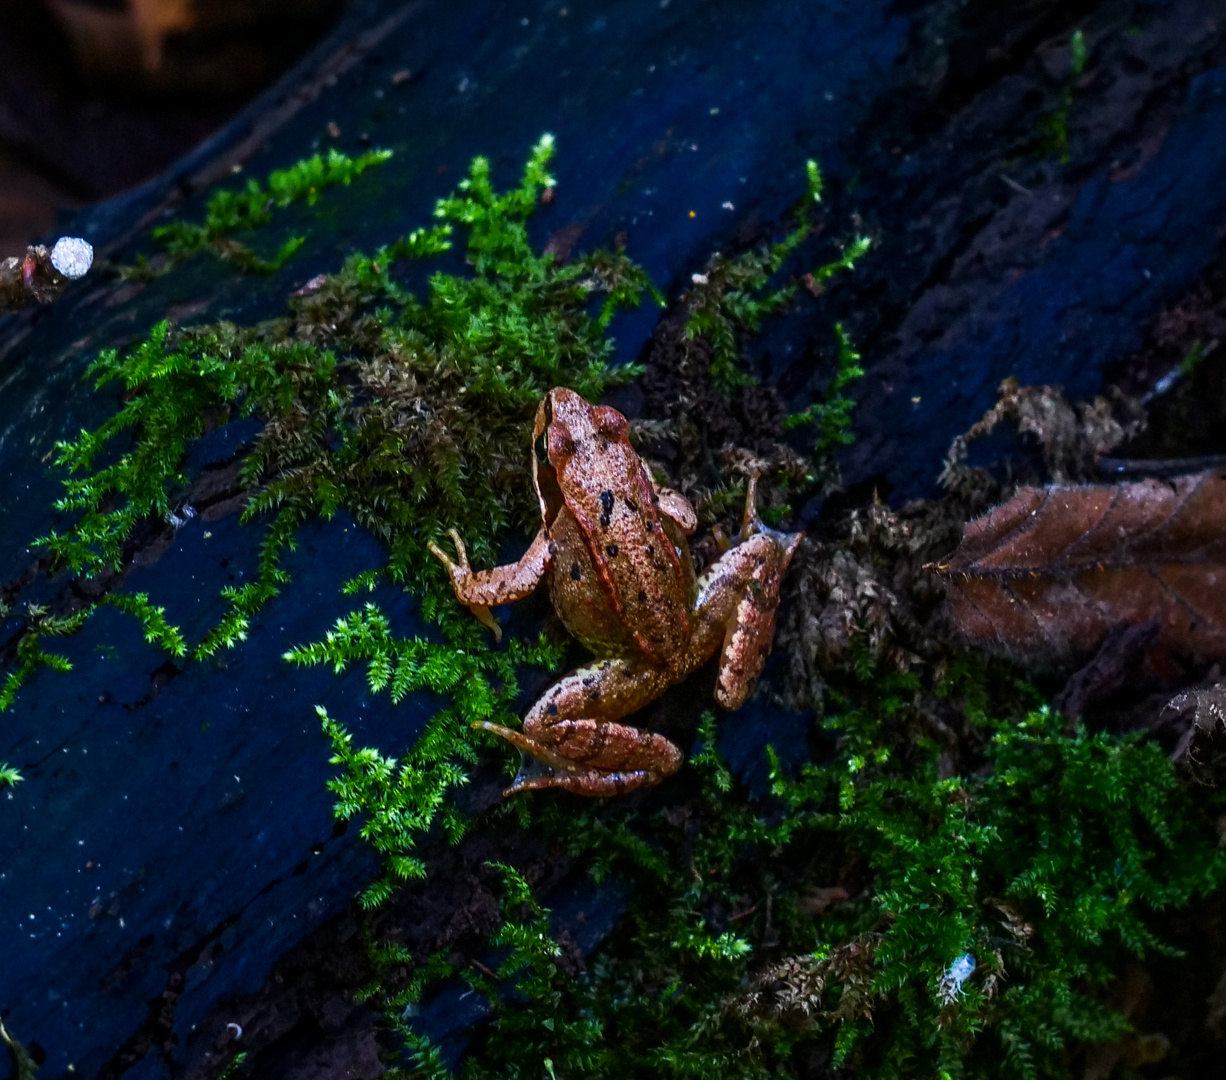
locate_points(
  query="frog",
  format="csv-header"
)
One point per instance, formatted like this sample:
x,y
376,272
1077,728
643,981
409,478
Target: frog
x,y
612,547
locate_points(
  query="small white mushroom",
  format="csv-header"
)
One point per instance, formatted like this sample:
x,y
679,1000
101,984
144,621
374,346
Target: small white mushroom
x,y
72,257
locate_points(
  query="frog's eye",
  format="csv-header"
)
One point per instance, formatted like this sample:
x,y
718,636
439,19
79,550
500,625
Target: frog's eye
x,y
611,424
542,448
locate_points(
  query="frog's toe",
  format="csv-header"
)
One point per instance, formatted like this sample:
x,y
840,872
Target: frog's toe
x,y
526,746
460,550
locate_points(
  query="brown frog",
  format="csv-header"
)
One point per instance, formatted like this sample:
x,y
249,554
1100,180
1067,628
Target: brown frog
x,y
613,548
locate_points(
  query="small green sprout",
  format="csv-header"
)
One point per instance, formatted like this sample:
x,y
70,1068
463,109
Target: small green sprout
x,y
1055,126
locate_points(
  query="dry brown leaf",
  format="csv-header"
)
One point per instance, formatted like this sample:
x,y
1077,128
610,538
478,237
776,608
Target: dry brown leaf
x,y
1051,572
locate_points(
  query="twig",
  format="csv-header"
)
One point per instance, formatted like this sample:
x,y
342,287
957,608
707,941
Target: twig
x,y
484,970
1160,467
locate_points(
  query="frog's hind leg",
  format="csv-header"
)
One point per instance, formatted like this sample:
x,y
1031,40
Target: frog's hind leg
x,y
573,747
737,599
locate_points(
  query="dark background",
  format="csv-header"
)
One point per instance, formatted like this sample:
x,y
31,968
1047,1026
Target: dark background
x,y
86,112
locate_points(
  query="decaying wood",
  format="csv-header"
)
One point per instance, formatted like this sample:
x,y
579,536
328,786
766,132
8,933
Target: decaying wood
x,y
1049,574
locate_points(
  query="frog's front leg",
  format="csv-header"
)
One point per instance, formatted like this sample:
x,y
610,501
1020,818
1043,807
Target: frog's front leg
x,y
738,596
481,590
573,732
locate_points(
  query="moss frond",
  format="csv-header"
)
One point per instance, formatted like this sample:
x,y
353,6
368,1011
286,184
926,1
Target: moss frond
x,y
255,205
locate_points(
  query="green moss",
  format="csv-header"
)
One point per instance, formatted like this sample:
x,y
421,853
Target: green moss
x,y
832,417
1049,862
732,296
229,212
423,428
401,799
233,1068
40,624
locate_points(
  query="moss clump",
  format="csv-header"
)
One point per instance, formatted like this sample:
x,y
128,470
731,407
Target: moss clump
x,y
401,800
732,296
821,924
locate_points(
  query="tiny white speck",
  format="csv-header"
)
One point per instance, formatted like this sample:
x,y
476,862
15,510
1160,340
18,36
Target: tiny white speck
x,y
72,256
699,279
726,205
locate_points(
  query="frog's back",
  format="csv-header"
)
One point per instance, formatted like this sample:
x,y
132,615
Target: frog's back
x,y
641,573
577,596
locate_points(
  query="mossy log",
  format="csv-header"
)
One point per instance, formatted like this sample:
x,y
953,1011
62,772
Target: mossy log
x,y
170,871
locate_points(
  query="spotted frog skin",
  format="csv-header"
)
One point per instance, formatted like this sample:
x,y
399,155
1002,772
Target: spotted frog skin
x,y
612,548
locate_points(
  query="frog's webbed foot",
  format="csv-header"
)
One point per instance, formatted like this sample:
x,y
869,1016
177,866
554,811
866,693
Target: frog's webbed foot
x,y
566,745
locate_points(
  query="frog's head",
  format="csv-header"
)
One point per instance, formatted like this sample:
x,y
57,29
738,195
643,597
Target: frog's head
x,y
578,450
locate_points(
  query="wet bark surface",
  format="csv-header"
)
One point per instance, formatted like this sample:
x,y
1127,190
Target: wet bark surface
x,y
170,867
